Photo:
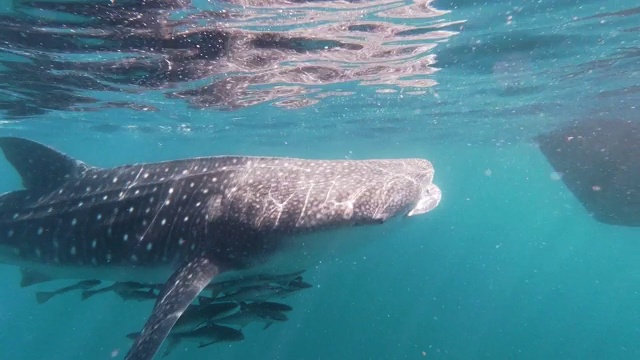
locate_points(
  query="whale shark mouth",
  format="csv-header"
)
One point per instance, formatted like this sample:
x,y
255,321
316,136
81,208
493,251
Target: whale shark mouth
x,y
429,199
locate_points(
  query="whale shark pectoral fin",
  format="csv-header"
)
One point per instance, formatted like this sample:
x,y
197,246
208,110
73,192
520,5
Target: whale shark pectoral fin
x,y
177,294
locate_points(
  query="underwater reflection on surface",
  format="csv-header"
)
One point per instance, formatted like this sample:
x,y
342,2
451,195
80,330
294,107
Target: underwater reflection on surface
x,y
234,55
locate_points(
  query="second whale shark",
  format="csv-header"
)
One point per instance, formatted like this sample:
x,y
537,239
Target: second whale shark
x,y
186,223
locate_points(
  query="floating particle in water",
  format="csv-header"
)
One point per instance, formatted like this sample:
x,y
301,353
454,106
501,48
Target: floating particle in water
x,y
555,176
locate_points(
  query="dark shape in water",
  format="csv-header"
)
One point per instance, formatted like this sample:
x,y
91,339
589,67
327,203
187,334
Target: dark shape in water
x,y
44,296
253,312
204,336
121,288
198,315
231,286
272,306
598,162
138,295
259,293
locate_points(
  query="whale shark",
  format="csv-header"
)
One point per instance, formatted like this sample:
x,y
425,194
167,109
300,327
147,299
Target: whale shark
x,y
190,222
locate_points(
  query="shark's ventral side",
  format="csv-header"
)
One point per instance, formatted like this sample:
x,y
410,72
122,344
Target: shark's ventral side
x,y
186,223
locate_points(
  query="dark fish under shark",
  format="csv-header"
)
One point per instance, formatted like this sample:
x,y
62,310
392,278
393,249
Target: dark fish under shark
x,y
598,161
273,306
197,315
206,335
247,281
44,296
186,223
250,313
127,290
263,292
251,288
202,323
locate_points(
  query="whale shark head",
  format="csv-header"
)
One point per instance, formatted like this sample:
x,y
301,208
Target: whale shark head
x,y
268,204
296,195
393,188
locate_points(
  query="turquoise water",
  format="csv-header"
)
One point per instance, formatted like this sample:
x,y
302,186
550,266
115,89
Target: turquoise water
x,y
509,266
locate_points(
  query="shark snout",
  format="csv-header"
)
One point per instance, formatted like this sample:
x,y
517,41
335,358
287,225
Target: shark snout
x,y
429,199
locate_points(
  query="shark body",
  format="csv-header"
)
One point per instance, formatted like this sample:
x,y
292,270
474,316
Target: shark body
x,y
186,223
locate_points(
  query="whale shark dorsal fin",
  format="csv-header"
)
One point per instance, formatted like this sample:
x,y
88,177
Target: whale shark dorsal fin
x,y
177,294
40,167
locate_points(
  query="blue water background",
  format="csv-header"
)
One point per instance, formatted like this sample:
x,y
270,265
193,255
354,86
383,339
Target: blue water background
x,y
509,266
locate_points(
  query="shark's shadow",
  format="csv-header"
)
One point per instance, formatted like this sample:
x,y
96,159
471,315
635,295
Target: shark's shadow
x,y
599,161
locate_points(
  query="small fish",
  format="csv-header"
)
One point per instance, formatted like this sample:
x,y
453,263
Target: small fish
x,y
298,284
137,295
205,300
117,287
260,293
197,315
204,336
272,306
250,313
256,280
282,279
253,293
44,296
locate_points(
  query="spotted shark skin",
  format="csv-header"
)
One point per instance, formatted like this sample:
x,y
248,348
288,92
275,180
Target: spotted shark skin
x,y
186,223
